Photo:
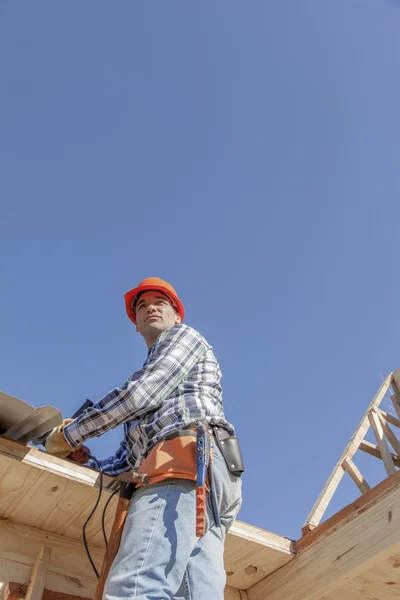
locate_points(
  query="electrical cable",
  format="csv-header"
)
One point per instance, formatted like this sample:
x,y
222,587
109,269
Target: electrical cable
x,y
103,516
91,515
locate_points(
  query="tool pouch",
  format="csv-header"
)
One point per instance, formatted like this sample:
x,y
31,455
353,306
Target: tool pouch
x,y
230,450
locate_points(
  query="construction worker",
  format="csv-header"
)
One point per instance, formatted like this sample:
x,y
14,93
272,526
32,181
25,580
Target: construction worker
x,y
161,555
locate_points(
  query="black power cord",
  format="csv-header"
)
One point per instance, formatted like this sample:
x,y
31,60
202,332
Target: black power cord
x,y
91,515
103,516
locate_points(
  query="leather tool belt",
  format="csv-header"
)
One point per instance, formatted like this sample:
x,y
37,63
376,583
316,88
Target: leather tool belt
x,y
175,455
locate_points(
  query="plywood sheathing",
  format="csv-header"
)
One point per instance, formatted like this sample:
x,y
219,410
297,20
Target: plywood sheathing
x,y
53,497
351,556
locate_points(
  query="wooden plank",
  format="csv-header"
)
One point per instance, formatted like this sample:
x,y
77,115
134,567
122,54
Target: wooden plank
x,y
347,550
396,388
389,433
382,443
355,474
52,464
325,496
350,511
373,450
396,403
252,553
52,502
17,591
38,575
69,569
390,418
113,544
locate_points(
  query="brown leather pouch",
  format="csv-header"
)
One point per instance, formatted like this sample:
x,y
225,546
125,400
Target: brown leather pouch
x,y
174,458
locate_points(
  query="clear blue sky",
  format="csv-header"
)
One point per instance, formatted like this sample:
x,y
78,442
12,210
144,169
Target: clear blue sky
x,y
248,153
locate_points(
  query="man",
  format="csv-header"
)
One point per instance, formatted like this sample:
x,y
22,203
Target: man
x,y
160,555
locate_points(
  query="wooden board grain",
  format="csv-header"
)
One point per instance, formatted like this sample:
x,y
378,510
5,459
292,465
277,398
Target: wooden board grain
x,y
40,492
351,549
38,575
17,591
323,500
247,562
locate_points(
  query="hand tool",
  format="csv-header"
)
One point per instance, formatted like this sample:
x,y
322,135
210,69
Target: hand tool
x,y
201,467
42,439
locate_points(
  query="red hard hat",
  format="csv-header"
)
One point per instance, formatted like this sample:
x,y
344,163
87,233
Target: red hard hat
x,y
153,284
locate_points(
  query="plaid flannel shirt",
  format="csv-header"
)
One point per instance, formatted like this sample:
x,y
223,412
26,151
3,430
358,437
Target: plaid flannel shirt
x,y
178,385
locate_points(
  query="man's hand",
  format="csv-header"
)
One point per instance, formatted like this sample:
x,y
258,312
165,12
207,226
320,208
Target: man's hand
x,y
57,444
81,456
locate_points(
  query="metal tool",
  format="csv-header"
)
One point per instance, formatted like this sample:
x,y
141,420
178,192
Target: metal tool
x,y
42,439
201,467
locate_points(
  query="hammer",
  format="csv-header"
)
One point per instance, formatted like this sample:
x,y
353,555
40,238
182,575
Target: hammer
x,y
127,487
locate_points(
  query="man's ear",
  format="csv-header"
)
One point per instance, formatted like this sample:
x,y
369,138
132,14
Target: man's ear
x,y
137,329
178,319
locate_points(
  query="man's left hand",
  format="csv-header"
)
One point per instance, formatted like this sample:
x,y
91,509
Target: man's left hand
x,y
57,444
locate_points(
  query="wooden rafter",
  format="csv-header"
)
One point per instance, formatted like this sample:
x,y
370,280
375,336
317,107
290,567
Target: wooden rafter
x,y
358,538
373,450
389,433
331,485
382,443
356,476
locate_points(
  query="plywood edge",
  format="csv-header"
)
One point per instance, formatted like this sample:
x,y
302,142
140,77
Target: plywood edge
x,y
352,549
58,466
263,537
362,504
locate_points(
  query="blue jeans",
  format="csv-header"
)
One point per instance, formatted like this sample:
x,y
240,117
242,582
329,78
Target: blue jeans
x,y
160,556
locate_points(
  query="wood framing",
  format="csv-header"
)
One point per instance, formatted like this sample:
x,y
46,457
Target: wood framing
x,y
344,552
353,555
356,476
45,500
38,574
17,591
378,419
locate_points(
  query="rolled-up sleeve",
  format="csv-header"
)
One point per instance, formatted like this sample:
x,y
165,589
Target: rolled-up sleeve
x,y
176,352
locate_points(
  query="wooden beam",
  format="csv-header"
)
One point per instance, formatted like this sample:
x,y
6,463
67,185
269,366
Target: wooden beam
x,y
356,476
350,547
329,489
373,450
396,388
382,443
390,418
38,575
52,464
17,591
69,569
389,433
113,544
396,403
350,511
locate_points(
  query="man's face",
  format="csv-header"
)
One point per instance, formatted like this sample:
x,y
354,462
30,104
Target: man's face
x,y
154,314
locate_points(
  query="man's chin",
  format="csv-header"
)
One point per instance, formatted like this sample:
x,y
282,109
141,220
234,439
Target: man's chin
x,y
155,326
